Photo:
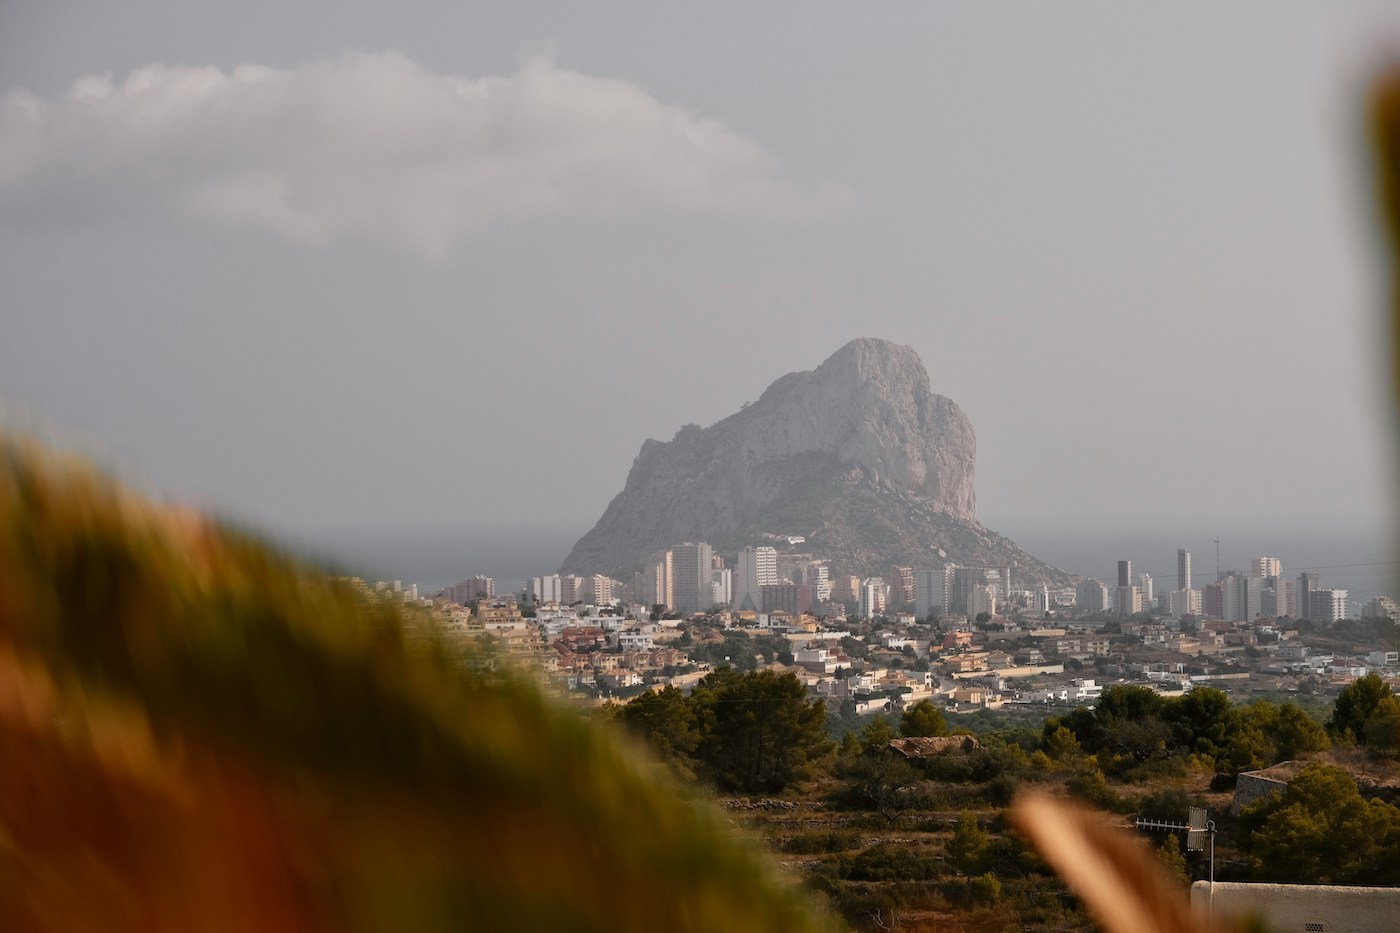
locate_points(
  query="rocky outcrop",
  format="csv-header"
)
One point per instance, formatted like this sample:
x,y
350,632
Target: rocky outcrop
x,y
858,455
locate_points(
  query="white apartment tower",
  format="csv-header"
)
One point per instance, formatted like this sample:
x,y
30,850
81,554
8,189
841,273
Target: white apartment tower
x,y
691,565
815,574
1183,569
656,581
545,589
1091,596
600,590
1327,605
755,568
982,599
722,581
872,597
931,590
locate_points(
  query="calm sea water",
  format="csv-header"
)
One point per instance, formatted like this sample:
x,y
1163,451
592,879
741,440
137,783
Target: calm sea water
x,y
1360,561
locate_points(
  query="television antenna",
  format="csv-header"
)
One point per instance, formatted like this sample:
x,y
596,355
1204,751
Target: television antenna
x,y
1200,831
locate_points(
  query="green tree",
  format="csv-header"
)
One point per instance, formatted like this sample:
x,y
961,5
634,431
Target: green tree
x,y
1356,704
1122,701
1288,727
665,719
850,746
877,732
985,889
970,845
923,718
1248,749
1382,730
759,731
1169,854
1202,720
854,647
881,781
1059,743
1320,830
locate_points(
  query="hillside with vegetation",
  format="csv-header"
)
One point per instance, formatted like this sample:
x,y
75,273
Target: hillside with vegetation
x,y
903,835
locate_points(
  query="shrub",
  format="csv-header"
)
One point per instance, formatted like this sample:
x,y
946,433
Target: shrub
x,y
1001,789
1172,803
814,843
885,862
1092,788
985,889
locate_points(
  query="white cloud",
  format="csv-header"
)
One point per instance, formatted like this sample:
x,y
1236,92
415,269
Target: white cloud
x,y
373,146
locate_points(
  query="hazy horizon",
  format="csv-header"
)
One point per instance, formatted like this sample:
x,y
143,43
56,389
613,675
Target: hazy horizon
x,y
1358,559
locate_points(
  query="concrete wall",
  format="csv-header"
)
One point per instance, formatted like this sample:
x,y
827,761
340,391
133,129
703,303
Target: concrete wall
x,y
1251,786
1304,908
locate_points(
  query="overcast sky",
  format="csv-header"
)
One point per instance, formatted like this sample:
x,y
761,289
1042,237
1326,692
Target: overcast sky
x,y
446,266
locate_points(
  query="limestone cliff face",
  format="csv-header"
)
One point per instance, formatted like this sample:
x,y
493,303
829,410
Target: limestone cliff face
x,y
790,463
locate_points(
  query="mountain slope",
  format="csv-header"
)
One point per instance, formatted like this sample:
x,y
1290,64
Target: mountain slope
x,y
858,455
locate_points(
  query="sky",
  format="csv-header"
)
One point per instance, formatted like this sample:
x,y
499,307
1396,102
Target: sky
x,y
351,271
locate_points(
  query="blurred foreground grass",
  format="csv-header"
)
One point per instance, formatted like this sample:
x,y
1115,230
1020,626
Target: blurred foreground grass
x,y
197,733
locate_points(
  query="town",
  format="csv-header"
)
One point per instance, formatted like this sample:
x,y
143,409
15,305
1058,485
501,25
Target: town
x,y
964,638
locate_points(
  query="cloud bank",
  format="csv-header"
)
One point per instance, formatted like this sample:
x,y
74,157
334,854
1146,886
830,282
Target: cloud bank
x,y
373,146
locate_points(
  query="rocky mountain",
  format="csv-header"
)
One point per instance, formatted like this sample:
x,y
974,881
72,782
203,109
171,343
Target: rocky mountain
x,y
857,455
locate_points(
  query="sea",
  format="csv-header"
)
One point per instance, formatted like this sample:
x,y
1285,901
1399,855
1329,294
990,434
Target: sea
x,y
1360,559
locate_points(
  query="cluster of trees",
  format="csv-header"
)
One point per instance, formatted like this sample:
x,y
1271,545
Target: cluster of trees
x,y
1134,727
1320,830
737,649
1368,713
752,731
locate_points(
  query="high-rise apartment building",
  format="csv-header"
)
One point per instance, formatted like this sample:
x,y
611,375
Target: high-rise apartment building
x,y
901,582
1327,605
690,568
1266,567
545,589
792,598
1213,600
872,597
1091,596
815,574
755,568
931,591
982,599
1184,603
1183,569
1235,598
600,590
1308,583
722,580
966,579
1274,598
573,589
654,585
471,588
1125,573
